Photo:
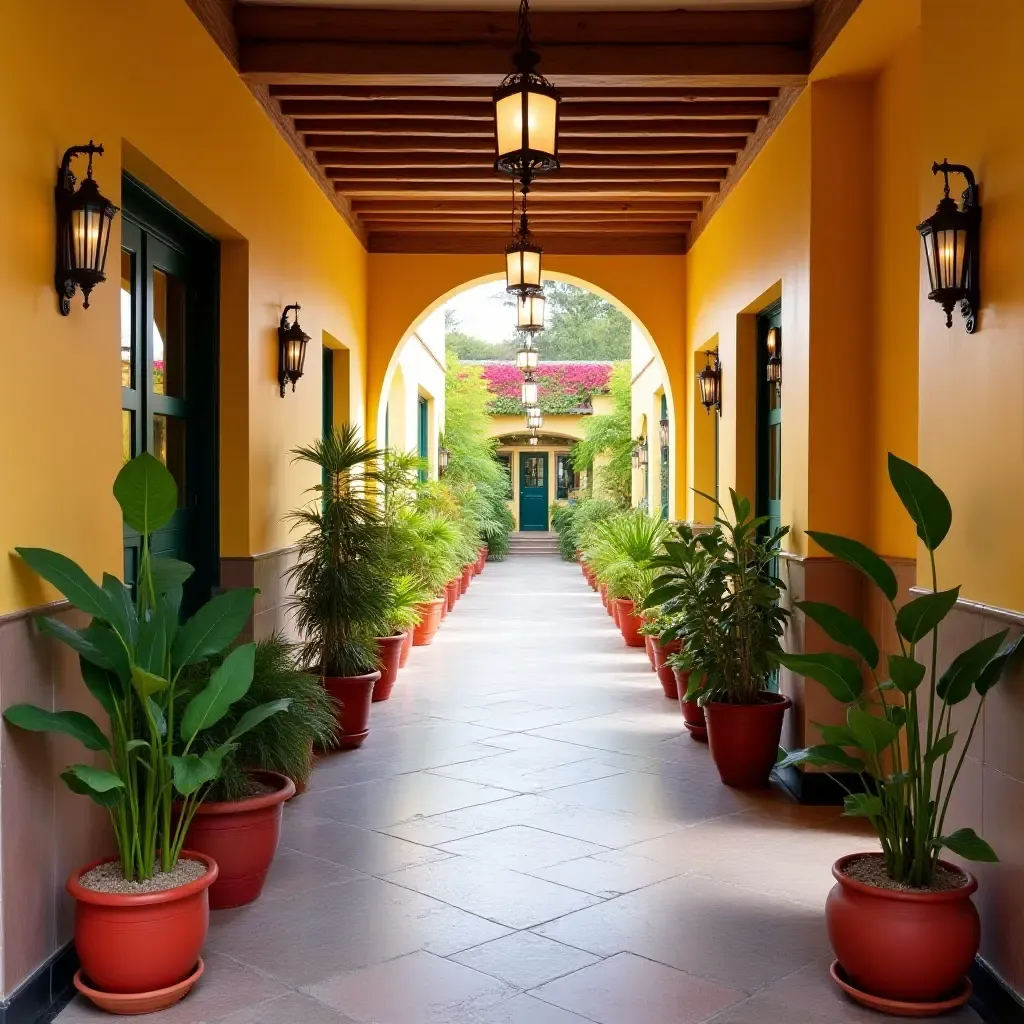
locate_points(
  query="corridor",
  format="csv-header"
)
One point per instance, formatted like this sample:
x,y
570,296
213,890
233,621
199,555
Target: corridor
x,y
529,837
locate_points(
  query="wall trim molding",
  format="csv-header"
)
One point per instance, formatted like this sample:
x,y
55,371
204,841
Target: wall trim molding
x,y
994,1000
989,611
49,608
42,995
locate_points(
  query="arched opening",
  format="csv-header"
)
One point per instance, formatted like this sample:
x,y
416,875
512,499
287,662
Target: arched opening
x,y
651,376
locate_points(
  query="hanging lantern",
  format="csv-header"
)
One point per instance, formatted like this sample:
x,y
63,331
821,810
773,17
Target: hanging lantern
x,y
951,237
529,392
530,312
292,342
710,381
774,343
523,259
84,219
527,358
533,439
534,419
663,433
526,113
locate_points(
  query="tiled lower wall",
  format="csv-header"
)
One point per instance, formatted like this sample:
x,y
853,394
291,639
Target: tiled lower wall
x,y
990,794
45,831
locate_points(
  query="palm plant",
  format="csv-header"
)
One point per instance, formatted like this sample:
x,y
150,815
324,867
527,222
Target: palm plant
x,y
341,579
407,594
622,550
429,548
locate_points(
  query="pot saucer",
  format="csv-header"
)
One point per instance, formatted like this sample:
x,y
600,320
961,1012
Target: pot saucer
x,y
895,1007
138,1002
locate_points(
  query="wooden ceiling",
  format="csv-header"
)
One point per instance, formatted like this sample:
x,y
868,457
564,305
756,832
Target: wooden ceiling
x,y
662,111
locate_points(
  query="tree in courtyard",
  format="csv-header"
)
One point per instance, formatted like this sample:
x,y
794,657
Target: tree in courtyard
x,y
608,437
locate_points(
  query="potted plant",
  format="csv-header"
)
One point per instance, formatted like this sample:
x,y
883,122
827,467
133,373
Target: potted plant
x,y
238,823
405,596
902,922
141,917
729,642
341,579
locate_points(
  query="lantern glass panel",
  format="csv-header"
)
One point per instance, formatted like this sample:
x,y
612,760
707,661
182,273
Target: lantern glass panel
x,y
530,310
522,268
529,393
663,434
539,131
526,358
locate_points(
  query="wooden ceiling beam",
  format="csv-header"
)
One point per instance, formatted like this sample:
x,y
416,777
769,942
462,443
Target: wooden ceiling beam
x,y
414,111
426,177
326,146
474,94
465,227
570,206
319,129
490,243
570,162
496,189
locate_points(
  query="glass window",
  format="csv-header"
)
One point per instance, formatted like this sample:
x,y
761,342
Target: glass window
x,y
169,448
127,319
533,470
168,335
564,480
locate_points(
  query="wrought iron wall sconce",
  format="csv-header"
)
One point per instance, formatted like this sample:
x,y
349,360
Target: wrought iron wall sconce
x,y
710,381
443,455
774,371
664,435
640,453
292,342
84,219
952,248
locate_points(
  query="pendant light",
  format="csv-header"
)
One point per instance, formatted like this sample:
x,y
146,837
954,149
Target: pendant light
x,y
522,256
529,392
526,113
527,357
530,312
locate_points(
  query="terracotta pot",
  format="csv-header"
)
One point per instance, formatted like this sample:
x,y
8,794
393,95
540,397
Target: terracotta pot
x,y
629,622
430,619
478,565
665,674
452,591
354,694
389,658
649,647
693,713
613,610
406,647
744,738
444,604
241,836
914,947
467,577
143,943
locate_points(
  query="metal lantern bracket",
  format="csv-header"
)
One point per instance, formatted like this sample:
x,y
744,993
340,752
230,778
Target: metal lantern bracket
x,y
286,334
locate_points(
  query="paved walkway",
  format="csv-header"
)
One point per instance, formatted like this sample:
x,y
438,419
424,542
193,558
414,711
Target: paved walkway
x,y
529,837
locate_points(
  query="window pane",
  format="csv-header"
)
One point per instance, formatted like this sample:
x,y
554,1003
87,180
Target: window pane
x,y
169,448
775,462
127,320
168,335
127,435
534,470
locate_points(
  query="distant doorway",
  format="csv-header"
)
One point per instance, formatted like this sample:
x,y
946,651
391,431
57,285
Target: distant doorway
x,y
533,491
769,422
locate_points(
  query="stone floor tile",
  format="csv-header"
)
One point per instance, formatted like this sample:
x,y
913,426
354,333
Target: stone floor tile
x,y
524,959
293,872
416,989
225,987
293,1008
316,934
627,989
520,848
373,853
492,892
470,821
737,937
608,874
524,1009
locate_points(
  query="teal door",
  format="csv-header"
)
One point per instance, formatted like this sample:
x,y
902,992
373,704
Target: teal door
x,y
533,491
422,435
769,417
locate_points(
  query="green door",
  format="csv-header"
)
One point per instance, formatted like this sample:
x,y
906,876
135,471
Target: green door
x,y
422,435
769,422
533,491
169,377
664,463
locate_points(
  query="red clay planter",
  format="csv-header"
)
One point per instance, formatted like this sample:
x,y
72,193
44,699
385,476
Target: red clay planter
x,y
430,614
744,738
452,589
406,647
665,674
389,659
143,944
905,947
241,836
649,647
693,713
629,622
467,576
354,694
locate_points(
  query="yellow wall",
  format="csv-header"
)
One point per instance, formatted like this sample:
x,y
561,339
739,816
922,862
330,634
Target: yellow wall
x,y
403,289
155,90
971,410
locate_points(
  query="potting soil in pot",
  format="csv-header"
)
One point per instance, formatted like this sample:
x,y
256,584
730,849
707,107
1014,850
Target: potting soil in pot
x,y
871,871
110,878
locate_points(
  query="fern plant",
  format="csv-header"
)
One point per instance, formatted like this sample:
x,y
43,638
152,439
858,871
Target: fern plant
x,y
622,549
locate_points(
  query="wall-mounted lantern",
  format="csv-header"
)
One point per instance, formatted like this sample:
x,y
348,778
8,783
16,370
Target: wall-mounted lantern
x,y
84,219
952,247
292,341
710,381
663,433
443,455
640,453
529,391
527,357
526,113
530,312
774,372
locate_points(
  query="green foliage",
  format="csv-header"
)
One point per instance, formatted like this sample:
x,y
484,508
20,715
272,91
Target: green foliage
x,y
341,578
135,657
280,743
608,436
621,550
582,325
902,747
718,594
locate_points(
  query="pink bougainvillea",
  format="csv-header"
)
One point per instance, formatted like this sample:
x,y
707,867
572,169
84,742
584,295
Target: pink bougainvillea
x,y
562,386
